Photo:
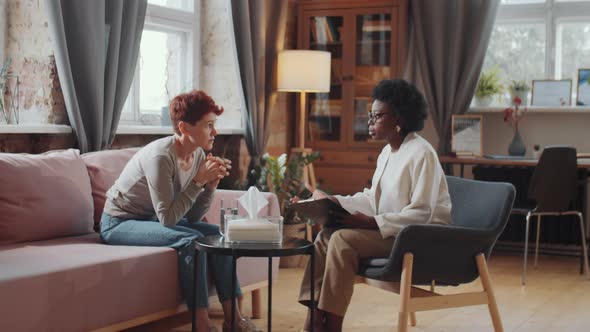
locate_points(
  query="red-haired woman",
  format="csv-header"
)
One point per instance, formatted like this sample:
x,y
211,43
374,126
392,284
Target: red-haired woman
x,y
162,194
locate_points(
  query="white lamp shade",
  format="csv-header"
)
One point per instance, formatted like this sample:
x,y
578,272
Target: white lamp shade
x,y
304,70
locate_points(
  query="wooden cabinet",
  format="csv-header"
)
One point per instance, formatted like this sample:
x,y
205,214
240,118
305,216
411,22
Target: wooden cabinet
x,y
367,40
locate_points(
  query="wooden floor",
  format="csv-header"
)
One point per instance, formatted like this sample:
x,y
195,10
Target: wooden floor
x,y
556,298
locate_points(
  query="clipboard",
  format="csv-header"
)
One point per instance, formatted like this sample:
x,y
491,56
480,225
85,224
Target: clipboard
x,y
320,211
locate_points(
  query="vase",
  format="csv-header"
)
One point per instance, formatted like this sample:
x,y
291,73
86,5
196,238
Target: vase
x,y
524,97
165,117
483,101
516,147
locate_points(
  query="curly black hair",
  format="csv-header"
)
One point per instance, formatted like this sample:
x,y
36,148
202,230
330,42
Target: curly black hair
x,y
405,101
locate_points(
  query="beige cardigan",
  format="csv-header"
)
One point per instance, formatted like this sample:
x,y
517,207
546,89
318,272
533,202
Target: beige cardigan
x,y
408,187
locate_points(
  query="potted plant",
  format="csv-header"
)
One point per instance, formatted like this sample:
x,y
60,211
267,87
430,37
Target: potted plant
x,y
487,87
519,88
284,178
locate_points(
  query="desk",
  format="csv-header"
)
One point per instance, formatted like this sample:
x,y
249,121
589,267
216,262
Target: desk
x,y
462,161
215,244
523,168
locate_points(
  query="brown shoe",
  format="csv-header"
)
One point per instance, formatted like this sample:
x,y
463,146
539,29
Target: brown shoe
x,y
243,325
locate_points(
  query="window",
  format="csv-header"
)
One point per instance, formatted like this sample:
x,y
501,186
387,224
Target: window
x,y
166,61
540,39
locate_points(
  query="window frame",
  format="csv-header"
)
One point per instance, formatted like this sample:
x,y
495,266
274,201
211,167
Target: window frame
x,y
167,19
551,13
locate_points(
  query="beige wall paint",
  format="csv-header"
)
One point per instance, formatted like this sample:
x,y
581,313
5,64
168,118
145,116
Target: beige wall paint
x,y
564,128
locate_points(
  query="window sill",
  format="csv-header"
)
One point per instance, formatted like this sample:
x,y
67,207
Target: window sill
x,y
533,109
159,130
121,130
35,129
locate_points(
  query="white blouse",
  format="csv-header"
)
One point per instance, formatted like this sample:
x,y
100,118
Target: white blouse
x,y
408,187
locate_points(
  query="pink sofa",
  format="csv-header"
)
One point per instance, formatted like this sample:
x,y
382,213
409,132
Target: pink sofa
x,y
56,275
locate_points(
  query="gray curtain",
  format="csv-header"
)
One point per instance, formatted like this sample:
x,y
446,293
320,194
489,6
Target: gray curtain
x,y
259,28
96,45
448,43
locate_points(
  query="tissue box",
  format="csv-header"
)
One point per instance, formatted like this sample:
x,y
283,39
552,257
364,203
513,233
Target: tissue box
x,y
263,230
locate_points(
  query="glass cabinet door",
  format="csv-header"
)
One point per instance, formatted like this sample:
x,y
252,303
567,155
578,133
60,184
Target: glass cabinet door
x,y
325,110
373,35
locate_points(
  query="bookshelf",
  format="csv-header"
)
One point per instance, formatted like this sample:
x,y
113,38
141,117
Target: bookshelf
x,y
367,41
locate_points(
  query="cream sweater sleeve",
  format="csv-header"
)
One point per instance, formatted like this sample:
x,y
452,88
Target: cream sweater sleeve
x,y
427,185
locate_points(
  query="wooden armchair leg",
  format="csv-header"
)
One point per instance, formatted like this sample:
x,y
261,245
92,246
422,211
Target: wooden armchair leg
x,y
256,310
412,319
486,282
405,291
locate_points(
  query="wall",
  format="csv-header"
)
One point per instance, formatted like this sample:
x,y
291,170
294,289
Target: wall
x,y
567,128
29,45
30,48
217,62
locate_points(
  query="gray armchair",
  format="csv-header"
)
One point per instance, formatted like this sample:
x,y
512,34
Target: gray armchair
x,y
446,255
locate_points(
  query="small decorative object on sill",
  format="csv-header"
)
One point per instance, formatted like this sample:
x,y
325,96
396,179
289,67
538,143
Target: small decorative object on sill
x,y
514,115
487,87
520,89
9,104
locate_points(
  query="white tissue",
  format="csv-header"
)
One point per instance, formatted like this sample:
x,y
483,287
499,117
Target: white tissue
x,y
252,228
253,201
253,231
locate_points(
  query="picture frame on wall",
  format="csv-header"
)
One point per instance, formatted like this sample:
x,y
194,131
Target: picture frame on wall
x,y
466,135
556,93
583,92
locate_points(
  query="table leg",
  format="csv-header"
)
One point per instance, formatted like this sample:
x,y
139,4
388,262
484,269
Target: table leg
x,y
312,286
233,293
193,314
269,293
462,170
584,209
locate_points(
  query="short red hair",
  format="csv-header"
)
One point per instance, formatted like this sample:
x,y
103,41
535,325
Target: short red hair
x,y
191,107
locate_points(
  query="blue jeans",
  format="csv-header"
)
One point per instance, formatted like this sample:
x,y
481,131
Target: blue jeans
x,y
118,231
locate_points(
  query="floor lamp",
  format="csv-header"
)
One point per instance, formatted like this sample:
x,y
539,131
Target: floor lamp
x,y
304,71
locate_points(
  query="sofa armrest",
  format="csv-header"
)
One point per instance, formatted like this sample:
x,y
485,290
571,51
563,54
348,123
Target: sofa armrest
x,y
213,215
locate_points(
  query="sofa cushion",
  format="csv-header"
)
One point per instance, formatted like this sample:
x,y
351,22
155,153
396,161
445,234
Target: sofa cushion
x,y
44,196
79,284
104,167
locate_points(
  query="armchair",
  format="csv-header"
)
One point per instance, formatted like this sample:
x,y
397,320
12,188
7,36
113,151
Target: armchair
x,y
446,255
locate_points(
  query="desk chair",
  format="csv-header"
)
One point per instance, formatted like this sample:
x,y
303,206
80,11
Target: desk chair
x,y
447,255
553,187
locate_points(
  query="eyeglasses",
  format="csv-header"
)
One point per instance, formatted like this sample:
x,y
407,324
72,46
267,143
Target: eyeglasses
x,y
373,117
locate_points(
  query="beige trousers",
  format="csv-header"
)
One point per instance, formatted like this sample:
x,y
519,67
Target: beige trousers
x,y
337,255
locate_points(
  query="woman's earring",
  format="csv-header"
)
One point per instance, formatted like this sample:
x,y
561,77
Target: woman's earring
x,y
398,129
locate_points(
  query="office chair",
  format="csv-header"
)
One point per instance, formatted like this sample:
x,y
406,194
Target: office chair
x,y
553,187
447,255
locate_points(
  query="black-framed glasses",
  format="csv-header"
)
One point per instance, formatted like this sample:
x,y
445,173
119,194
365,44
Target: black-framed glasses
x,y
373,117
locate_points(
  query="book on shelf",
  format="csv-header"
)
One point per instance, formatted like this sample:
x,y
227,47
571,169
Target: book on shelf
x,y
319,29
324,30
336,71
376,25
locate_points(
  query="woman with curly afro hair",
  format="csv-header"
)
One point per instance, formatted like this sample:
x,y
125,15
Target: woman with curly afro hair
x,y
408,187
